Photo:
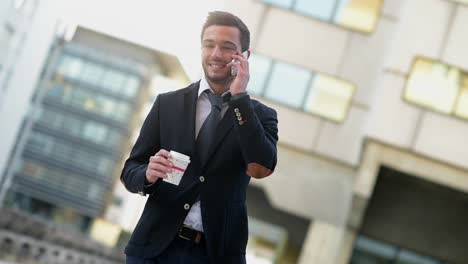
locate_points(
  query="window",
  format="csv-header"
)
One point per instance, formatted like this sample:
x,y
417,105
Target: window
x,y
55,91
131,86
288,84
32,169
296,87
329,97
113,80
359,15
98,75
63,181
92,73
461,1
438,86
104,105
280,3
461,107
367,250
260,68
84,129
70,66
319,9
42,144
70,125
94,132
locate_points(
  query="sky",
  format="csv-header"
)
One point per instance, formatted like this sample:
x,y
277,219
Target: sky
x,y
170,26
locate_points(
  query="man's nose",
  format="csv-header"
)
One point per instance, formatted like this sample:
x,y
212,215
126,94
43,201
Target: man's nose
x,y
216,52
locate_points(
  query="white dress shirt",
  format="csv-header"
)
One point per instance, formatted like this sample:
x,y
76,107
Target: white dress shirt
x,y
194,218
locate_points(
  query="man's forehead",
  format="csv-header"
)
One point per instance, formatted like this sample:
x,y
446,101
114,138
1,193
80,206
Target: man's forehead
x,y
219,30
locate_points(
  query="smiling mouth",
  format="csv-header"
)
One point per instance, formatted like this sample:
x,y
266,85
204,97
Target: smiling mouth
x,y
217,65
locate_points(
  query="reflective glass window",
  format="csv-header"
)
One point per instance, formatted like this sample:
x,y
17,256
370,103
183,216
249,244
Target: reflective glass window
x,y
438,86
359,15
92,73
329,97
288,84
70,66
297,87
461,107
280,3
95,132
319,9
131,86
259,67
113,80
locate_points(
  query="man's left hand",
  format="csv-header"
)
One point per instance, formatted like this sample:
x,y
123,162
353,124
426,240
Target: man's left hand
x,y
239,83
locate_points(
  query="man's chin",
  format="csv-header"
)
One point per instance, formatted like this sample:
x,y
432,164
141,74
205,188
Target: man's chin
x,y
217,78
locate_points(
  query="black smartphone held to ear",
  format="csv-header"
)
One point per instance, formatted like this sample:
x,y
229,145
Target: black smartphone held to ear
x,y
233,67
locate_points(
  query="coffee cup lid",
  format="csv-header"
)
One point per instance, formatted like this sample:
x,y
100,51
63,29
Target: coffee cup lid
x,y
180,156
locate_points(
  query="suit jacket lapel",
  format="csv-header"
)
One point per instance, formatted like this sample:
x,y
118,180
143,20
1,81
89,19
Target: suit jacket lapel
x,y
189,116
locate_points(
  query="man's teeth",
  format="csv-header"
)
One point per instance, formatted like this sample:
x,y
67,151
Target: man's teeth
x,y
217,66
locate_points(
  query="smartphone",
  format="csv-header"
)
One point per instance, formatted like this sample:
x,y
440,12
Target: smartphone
x,y
233,67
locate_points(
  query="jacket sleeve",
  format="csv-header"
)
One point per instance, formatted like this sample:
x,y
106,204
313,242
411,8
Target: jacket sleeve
x,y
148,143
257,129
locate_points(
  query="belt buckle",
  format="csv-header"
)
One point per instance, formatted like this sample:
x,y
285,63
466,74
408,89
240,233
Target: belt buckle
x,y
182,236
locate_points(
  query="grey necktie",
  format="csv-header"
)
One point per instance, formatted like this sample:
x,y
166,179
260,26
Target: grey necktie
x,y
207,132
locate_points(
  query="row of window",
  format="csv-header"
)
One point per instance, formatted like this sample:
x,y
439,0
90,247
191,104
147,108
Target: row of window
x,y
83,99
359,15
108,57
296,87
85,129
63,181
438,86
99,75
431,84
70,154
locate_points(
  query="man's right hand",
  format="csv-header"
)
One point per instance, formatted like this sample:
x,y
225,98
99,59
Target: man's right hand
x,y
158,166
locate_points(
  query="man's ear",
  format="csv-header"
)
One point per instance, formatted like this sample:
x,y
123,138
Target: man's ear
x,y
247,53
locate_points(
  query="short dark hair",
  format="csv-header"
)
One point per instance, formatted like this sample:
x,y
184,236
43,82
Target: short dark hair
x,y
222,18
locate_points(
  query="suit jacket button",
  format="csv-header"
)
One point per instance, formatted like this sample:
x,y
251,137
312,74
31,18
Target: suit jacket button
x,y
202,179
186,206
236,110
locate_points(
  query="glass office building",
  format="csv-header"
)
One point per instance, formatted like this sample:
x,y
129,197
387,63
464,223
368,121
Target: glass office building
x,y
80,125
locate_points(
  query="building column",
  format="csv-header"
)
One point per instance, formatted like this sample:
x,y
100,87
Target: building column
x,y
327,243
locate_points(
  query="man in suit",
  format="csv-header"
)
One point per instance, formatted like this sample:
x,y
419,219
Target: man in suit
x,y
229,138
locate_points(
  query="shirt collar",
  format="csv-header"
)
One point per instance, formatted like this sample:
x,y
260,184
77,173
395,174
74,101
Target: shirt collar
x,y
205,86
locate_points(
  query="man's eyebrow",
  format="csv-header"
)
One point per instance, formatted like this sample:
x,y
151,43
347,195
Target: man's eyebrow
x,y
230,43
227,42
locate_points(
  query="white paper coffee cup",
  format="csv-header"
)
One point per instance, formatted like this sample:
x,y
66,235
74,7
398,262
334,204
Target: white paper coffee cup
x,y
180,162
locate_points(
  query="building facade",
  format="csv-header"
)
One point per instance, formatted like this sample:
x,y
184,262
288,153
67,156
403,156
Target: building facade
x,y
372,107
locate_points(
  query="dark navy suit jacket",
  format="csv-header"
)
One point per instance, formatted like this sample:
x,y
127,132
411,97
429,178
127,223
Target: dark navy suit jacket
x,y
170,125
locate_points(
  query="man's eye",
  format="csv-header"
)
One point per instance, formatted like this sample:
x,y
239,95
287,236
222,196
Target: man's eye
x,y
208,46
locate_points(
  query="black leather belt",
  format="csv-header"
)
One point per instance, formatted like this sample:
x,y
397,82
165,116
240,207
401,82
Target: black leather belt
x,y
190,234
